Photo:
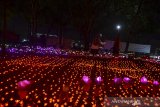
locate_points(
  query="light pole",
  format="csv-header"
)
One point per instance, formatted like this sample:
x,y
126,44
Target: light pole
x,y
117,42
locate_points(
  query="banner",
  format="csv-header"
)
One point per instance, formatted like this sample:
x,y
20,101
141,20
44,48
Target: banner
x,y
139,48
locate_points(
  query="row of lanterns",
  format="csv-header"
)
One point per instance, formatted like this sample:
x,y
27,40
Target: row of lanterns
x,y
117,80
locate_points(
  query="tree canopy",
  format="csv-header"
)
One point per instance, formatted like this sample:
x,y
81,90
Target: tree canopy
x,y
86,16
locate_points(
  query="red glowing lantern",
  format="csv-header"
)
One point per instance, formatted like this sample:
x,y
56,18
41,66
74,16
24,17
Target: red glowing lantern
x,y
22,94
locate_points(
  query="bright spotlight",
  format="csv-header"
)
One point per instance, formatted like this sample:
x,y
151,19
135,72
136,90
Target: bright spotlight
x,y
118,27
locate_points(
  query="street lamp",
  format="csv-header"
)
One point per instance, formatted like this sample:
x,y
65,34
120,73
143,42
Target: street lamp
x,y
24,40
118,27
116,47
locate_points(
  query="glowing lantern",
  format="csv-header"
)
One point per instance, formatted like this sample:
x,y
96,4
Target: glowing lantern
x,y
144,80
65,88
126,79
26,82
22,94
156,83
99,79
117,80
85,79
23,84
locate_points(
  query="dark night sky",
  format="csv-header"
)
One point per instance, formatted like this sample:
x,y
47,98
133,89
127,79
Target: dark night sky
x,y
20,26
106,25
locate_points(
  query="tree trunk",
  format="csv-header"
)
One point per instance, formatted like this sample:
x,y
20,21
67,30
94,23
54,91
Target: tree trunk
x,y
33,28
127,46
86,30
33,22
132,24
116,46
127,42
86,41
60,36
4,28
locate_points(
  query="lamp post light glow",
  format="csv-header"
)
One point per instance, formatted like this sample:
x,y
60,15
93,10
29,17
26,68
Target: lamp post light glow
x,y
24,40
118,27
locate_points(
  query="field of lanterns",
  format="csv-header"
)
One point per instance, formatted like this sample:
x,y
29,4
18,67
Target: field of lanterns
x,y
59,81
